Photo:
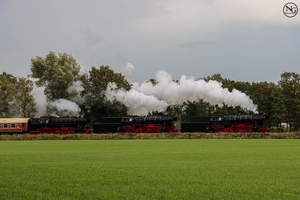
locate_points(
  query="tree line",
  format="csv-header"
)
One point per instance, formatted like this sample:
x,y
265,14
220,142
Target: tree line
x,y
57,73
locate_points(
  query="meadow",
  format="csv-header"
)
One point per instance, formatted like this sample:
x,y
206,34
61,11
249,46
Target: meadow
x,y
150,169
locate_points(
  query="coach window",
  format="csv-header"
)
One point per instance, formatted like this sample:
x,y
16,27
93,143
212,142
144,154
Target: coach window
x,y
13,126
4,125
0,125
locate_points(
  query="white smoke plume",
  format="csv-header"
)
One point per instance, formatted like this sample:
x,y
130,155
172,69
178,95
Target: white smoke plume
x,y
128,69
65,107
137,102
77,86
84,69
188,89
60,107
40,100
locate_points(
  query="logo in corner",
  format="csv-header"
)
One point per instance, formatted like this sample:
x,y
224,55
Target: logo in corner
x,y
290,10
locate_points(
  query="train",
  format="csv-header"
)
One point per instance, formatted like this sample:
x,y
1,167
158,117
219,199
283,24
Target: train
x,y
134,124
44,125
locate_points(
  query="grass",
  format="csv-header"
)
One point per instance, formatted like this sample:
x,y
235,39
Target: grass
x,y
150,169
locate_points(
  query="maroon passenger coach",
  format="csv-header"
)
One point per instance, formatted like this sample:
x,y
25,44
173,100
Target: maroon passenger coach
x,y
14,125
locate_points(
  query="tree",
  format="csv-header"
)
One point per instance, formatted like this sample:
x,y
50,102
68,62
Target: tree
x,y
16,99
24,101
153,81
7,94
195,108
230,110
94,85
226,83
57,74
290,84
269,100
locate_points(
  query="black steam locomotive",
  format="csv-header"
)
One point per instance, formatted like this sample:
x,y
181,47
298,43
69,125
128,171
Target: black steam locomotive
x,y
226,123
136,124
58,125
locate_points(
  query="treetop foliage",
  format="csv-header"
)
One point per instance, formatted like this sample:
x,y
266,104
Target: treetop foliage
x,y
15,96
95,84
57,73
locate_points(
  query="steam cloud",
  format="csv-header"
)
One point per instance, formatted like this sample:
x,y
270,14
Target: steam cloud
x,y
65,107
40,100
77,86
137,102
146,97
61,107
167,92
128,69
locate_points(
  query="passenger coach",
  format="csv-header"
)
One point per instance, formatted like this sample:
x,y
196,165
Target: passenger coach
x,y
14,125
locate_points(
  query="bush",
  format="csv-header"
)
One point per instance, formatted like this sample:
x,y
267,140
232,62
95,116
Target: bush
x,y
143,136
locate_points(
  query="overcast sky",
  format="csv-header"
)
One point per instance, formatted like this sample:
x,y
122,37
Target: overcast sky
x,y
242,40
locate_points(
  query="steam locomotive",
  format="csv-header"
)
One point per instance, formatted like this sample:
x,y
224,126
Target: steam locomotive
x,y
58,125
226,123
134,124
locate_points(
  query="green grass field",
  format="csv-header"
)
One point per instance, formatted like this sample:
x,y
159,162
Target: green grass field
x,y
150,169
